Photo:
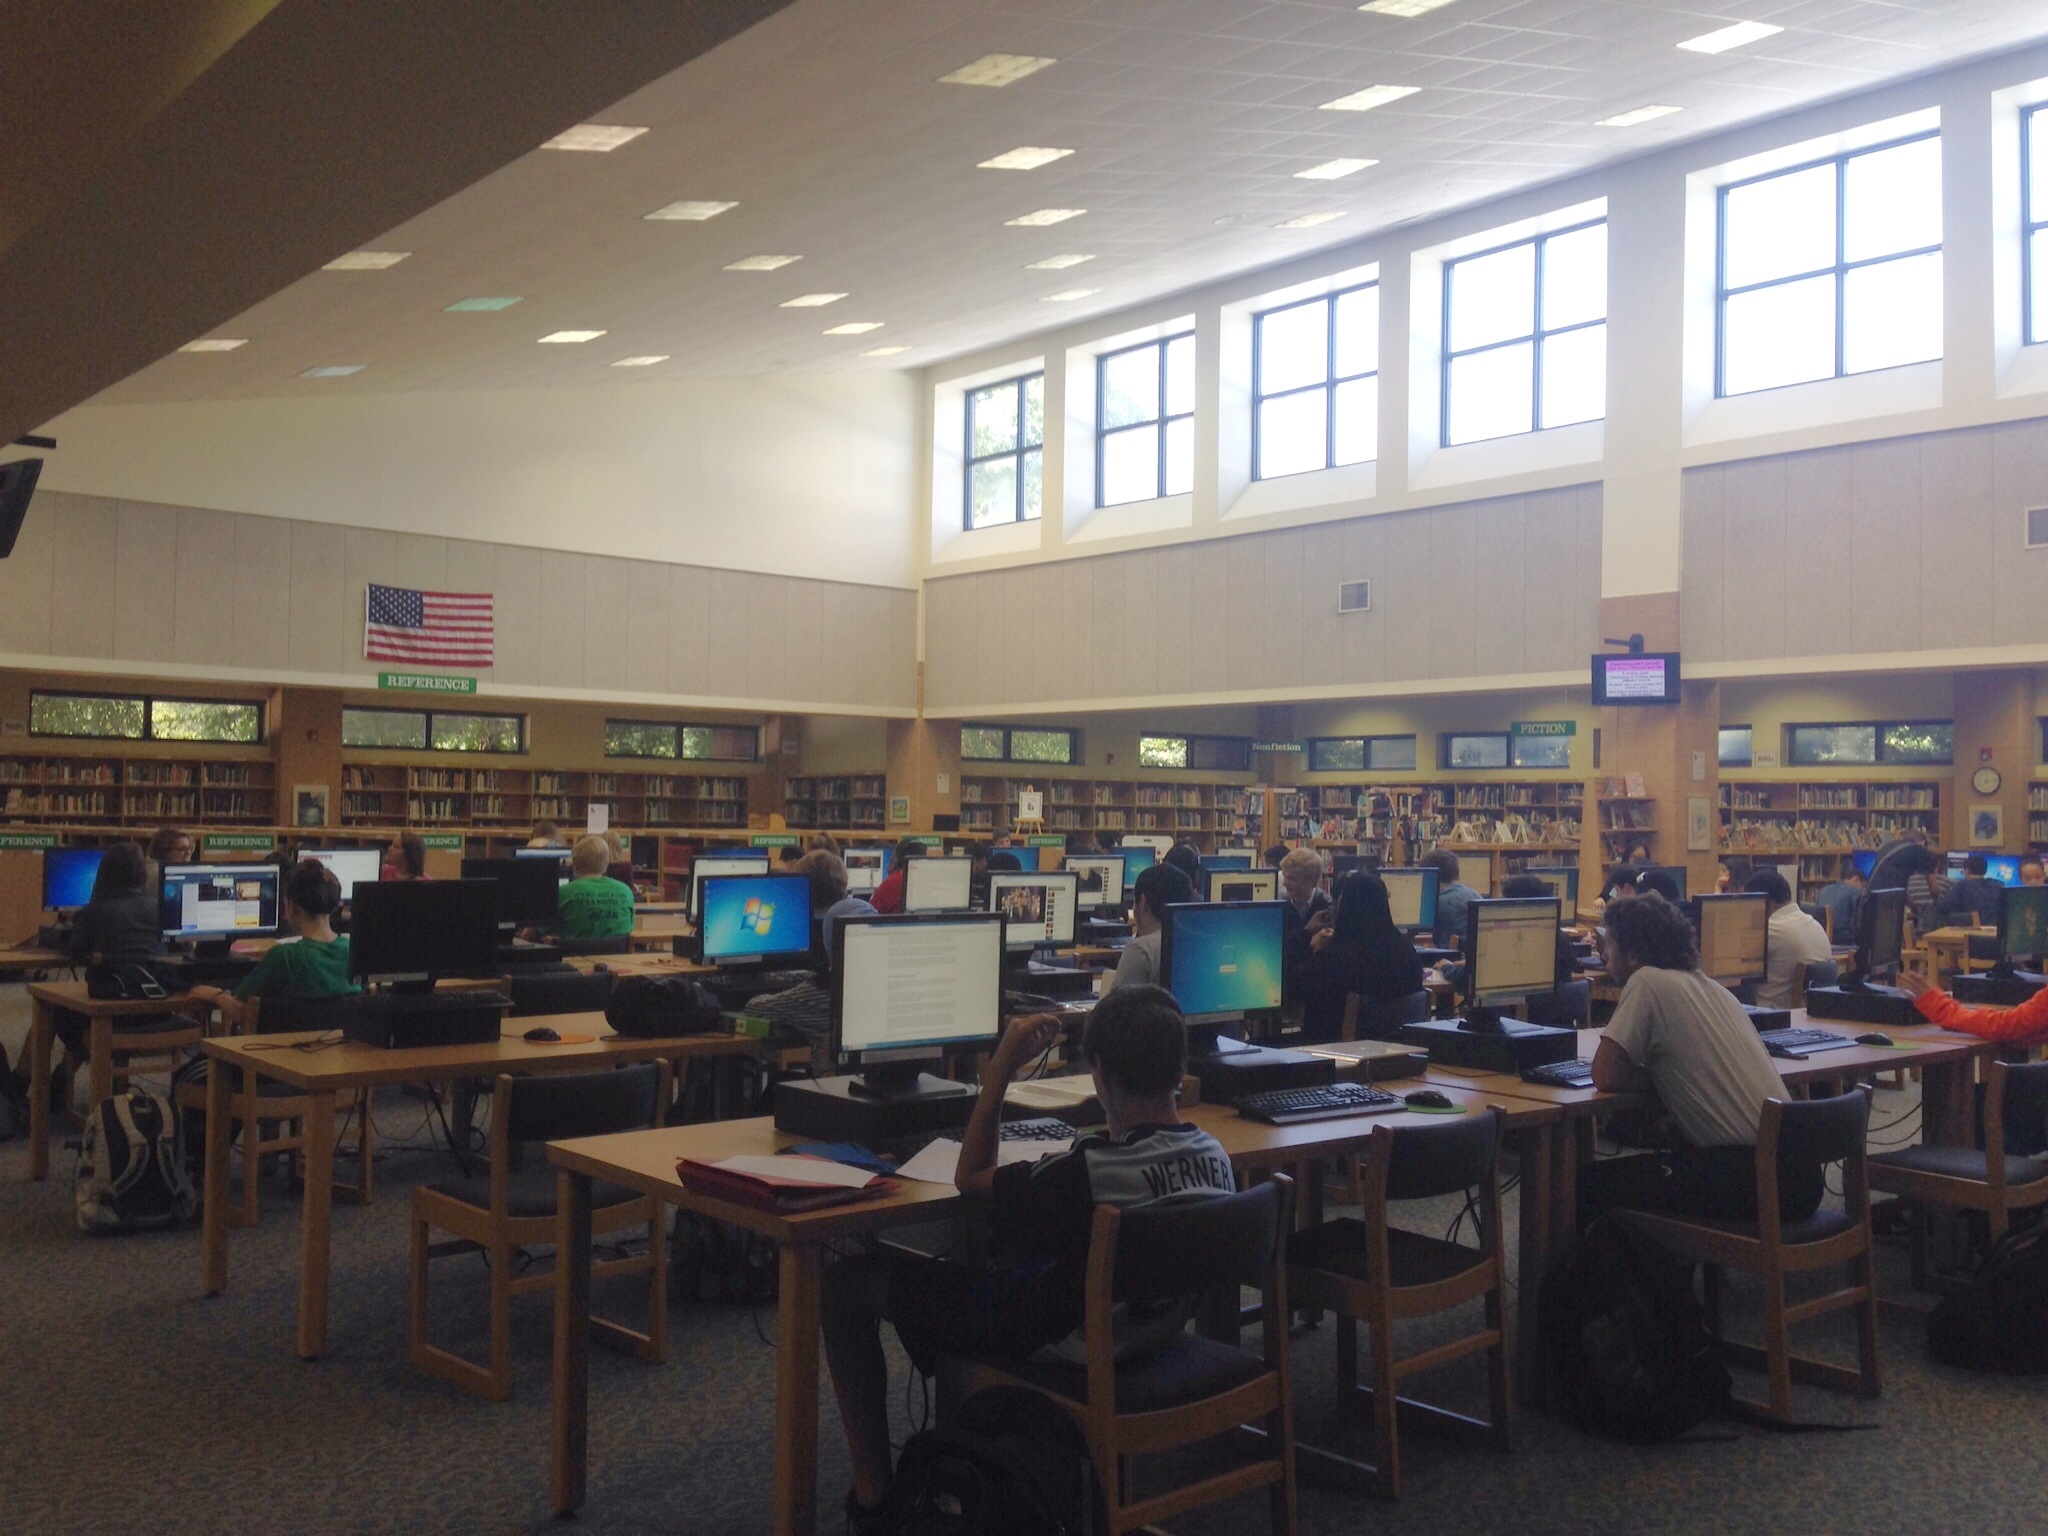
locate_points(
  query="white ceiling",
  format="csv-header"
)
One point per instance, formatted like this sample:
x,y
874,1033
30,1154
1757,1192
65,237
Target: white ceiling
x,y
826,124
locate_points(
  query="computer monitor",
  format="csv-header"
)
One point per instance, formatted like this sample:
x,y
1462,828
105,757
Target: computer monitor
x,y
1138,857
1734,930
1563,880
1037,908
747,918
1101,877
1241,883
2023,925
1027,858
1512,948
527,888
1675,871
866,868
2002,867
349,865
1226,861
1882,933
1411,893
558,857
68,876
212,902
410,931
908,990
938,885
1158,842
1476,870
1222,960
1865,862
709,865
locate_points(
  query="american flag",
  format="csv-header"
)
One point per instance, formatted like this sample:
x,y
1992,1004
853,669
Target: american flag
x,y
445,629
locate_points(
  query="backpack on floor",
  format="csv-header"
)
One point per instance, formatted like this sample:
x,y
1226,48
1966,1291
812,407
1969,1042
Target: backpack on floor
x,y
713,1262
1626,1346
131,1166
2001,1322
1008,1464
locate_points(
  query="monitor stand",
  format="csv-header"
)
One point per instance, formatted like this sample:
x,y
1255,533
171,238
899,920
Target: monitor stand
x,y
211,949
901,1080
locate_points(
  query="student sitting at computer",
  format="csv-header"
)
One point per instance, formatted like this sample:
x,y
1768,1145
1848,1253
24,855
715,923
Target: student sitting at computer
x,y
1684,1035
405,857
2032,870
829,898
1361,952
1453,896
168,845
1154,890
1658,882
1272,857
888,896
1186,858
120,925
546,835
1842,900
1792,939
1038,1216
314,967
1975,893
2028,1021
1307,910
822,842
592,905
806,1008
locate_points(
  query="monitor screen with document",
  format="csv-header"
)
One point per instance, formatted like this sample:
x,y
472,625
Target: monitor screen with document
x,y
351,866
1411,895
1512,945
1734,934
938,885
916,986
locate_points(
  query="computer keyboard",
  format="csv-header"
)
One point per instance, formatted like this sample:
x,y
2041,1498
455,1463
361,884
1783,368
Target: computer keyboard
x,y
1561,1074
1038,1128
1330,1101
1804,1041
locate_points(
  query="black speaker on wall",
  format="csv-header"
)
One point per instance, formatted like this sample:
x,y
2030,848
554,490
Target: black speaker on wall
x,y
17,485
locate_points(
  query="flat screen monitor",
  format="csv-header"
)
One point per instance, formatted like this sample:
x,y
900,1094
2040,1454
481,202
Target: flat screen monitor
x,y
2023,924
559,857
866,868
1563,880
1734,931
215,901
1883,932
350,866
1101,877
1138,857
1037,909
1476,870
712,865
1226,861
1676,872
1411,893
1158,842
910,988
938,885
750,917
1865,862
527,888
68,876
2002,867
1222,960
1243,884
1027,858
1512,945
414,928
1342,864
1651,678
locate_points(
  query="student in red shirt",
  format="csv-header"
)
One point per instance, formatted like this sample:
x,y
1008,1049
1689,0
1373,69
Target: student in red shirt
x,y
887,898
2022,1023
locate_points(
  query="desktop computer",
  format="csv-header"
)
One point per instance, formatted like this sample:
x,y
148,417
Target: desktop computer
x,y
211,905
1862,999
2022,941
1476,870
407,935
866,868
1214,861
1411,894
1511,954
68,876
527,888
938,885
1734,939
1026,857
751,919
1138,857
709,865
351,866
1236,884
1222,962
1101,877
1563,880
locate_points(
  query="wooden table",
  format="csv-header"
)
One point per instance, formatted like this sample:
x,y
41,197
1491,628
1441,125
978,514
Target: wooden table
x,y
48,996
31,958
1948,950
651,963
323,1074
659,931
646,1161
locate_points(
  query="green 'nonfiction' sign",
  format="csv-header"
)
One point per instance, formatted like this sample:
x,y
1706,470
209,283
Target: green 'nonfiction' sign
x,y
28,839
1544,728
443,840
1276,746
239,842
424,682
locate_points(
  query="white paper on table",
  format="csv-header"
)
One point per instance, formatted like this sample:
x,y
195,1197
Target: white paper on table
x,y
805,1170
940,1161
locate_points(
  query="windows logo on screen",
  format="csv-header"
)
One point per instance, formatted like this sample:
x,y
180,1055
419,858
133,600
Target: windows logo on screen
x,y
757,917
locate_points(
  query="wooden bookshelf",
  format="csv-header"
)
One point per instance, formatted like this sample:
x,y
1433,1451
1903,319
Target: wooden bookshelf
x,y
1821,823
837,802
506,799
91,791
2037,816
1205,814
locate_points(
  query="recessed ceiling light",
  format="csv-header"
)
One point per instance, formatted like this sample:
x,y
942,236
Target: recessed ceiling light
x,y
1045,216
1026,157
810,300
366,261
1372,96
1403,7
996,69
566,338
1068,295
1058,263
1637,115
594,138
215,344
855,328
1330,170
477,306
696,212
641,362
1730,37
1308,221
884,351
761,263
332,371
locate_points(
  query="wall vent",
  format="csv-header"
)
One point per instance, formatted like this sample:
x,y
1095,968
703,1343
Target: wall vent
x,y
2037,527
1356,596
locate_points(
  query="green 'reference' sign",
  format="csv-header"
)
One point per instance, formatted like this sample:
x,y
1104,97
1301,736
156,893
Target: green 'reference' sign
x,y
773,840
28,839
1544,728
443,840
929,839
1046,840
1276,746
239,842
424,682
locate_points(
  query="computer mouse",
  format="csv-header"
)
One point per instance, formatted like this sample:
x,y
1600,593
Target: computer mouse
x,y
1426,1098
1873,1038
540,1033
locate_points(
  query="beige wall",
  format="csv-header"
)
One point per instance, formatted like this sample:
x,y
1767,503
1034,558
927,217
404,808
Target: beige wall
x,y
842,744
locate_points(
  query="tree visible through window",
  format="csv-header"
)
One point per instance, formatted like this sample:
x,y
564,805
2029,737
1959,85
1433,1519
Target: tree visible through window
x,y
1005,451
117,718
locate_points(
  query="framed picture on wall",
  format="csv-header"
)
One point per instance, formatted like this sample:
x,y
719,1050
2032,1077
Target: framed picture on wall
x,y
1987,826
1699,824
309,805
899,810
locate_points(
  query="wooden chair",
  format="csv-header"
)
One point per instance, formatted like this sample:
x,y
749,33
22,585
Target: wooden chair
x,y
1370,1018
1193,1388
499,1212
1971,1178
1368,1271
1804,1131
255,1102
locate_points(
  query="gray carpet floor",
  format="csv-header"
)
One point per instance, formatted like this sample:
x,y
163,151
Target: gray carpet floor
x,y
132,1403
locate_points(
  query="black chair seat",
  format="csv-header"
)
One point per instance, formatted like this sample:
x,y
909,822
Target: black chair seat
x,y
1960,1163
1338,1248
530,1192
1189,1369
1820,1226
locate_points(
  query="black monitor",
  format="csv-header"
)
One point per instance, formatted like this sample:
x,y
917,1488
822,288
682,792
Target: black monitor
x,y
1226,861
1563,880
411,931
1881,935
1734,934
1222,960
2023,926
1037,908
749,918
1642,678
215,904
1510,949
708,865
351,866
910,990
68,876
527,888
1242,883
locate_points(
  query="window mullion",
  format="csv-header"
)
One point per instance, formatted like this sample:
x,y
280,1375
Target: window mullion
x,y
1159,486
1329,382
1536,339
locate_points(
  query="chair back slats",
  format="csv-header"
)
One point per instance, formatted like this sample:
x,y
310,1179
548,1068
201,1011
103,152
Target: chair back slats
x,y
557,1107
290,1015
1822,1130
1185,1246
570,992
2025,1105
1569,1006
1443,1159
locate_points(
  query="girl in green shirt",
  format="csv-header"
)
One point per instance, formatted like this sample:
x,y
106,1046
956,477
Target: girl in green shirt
x,y
315,967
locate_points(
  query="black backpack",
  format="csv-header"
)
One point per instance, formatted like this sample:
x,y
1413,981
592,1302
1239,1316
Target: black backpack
x,y
2001,1322
657,1007
1626,1347
1008,1464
